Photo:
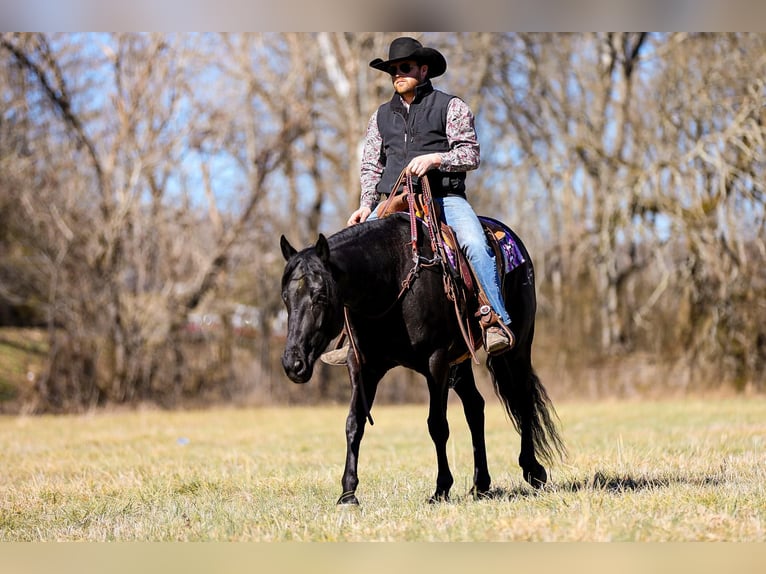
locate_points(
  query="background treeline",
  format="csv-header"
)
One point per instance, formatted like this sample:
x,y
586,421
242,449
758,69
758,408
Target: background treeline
x,y
145,180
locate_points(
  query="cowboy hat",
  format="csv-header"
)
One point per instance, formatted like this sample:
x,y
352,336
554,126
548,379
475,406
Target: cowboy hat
x,y
410,49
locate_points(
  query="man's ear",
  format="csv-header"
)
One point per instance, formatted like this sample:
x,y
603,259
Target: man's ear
x,y
323,249
287,249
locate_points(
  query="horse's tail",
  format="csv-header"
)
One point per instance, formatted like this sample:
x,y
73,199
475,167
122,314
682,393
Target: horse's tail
x,y
528,405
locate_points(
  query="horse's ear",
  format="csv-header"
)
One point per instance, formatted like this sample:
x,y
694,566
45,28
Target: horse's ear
x,y
323,249
287,249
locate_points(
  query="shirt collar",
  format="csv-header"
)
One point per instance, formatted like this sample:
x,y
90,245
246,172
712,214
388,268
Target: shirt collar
x,y
421,91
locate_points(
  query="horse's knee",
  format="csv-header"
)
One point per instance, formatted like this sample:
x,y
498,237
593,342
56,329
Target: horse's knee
x,y
438,428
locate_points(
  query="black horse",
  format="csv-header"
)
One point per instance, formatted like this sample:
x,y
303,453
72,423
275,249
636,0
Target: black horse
x,y
399,315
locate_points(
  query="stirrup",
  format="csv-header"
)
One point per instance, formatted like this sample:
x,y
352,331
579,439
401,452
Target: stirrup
x,y
498,340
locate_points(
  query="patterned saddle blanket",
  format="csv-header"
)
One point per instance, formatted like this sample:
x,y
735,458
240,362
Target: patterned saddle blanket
x,y
508,255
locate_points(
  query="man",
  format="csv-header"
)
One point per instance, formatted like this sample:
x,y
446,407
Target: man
x,y
432,135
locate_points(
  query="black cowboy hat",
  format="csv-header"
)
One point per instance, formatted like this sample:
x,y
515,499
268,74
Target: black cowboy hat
x,y
406,48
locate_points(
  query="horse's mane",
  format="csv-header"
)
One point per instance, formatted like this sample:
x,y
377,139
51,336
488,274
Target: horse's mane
x,y
373,231
364,237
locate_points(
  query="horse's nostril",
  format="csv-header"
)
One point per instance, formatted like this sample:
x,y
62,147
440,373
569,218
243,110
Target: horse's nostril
x,y
289,362
293,365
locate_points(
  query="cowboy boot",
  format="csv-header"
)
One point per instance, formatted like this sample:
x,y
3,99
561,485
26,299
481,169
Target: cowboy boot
x,y
336,356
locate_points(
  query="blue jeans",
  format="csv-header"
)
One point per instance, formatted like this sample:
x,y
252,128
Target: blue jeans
x,y
460,216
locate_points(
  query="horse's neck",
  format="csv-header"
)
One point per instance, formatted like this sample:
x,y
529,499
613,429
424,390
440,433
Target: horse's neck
x,y
368,267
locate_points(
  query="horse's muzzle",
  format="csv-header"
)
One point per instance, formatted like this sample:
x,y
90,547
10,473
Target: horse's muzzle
x,y
297,369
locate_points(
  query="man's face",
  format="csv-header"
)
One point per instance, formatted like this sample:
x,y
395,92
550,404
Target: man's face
x,y
406,76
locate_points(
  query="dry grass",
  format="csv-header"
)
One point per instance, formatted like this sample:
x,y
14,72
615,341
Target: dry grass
x,y
638,471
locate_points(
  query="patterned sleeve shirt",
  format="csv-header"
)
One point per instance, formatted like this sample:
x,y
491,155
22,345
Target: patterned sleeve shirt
x,y
463,154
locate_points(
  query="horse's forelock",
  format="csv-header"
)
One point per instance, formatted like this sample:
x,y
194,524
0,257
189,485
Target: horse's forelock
x,y
308,261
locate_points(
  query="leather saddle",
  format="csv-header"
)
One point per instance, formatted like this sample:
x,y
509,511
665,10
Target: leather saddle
x,y
464,290
501,240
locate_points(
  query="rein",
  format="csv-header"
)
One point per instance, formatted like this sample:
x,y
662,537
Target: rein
x,y
406,284
358,356
417,260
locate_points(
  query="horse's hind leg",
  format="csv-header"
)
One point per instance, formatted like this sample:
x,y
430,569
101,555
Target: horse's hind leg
x,y
527,402
462,379
534,472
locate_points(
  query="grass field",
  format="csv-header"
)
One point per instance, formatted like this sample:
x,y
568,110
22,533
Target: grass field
x,y
692,470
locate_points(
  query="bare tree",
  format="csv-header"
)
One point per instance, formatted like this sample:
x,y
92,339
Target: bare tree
x,y
706,177
638,156
125,301
145,177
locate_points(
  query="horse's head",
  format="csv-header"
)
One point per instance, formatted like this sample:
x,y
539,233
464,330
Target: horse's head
x,y
314,310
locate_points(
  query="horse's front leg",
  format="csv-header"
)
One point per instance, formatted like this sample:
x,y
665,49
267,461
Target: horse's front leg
x,y
438,427
462,379
361,401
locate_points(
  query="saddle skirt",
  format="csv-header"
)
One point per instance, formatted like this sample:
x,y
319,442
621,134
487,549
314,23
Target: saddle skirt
x,y
501,239
470,298
508,256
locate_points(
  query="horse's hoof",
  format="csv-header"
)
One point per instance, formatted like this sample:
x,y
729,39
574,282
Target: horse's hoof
x,y
439,497
479,493
348,498
536,476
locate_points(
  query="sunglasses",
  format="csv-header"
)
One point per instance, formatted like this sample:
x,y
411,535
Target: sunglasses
x,y
402,68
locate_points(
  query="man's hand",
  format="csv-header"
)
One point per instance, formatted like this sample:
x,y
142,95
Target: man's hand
x,y
420,165
358,216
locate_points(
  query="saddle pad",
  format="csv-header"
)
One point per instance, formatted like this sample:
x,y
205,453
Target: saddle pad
x,y
508,247
512,255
